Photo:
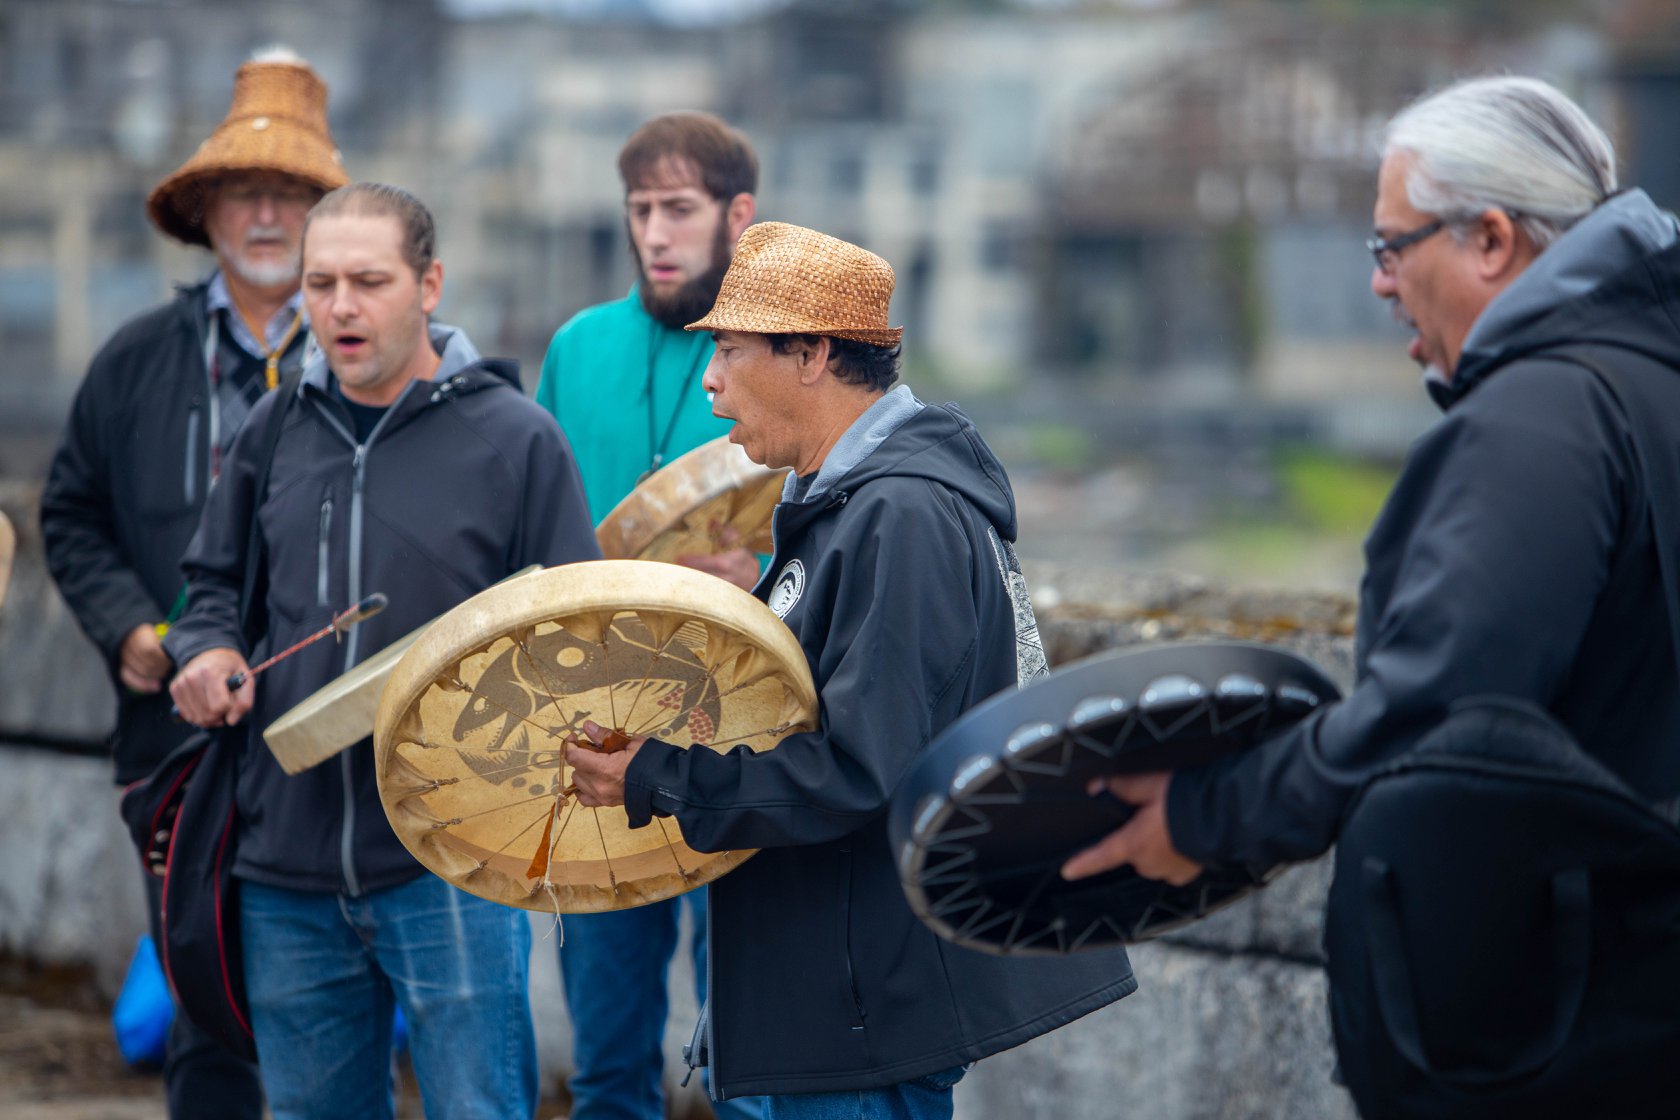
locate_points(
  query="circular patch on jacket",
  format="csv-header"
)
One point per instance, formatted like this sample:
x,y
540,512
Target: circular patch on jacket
x,y
789,585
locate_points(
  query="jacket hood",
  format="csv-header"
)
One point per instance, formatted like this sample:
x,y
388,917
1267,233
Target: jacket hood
x,y
1613,278
936,442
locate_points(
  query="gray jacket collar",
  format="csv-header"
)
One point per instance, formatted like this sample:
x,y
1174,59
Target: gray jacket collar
x,y
859,441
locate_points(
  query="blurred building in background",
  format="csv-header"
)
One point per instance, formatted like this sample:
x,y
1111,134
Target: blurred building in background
x,y
1108,202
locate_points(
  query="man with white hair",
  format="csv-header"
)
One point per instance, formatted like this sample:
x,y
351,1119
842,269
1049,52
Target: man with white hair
x,y
1516,555
152,422
1521,592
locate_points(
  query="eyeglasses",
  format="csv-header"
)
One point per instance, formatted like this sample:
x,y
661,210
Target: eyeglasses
x,y
1386,250
244,192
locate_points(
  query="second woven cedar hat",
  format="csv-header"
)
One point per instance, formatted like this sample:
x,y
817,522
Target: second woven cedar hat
x,y
786,279
277,122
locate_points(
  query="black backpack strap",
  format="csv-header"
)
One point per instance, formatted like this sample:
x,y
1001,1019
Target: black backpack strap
x,y
252,622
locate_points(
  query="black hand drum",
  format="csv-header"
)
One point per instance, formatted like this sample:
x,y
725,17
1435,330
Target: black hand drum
x,y
997,802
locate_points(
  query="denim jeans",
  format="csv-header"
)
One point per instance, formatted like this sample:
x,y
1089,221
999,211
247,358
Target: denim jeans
x,y
613,966
324,971
925,1098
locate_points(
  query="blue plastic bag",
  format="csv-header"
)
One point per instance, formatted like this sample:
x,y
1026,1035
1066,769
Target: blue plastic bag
x,y
143,1013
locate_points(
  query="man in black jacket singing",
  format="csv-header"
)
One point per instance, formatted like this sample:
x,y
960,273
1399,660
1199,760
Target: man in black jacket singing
x,y
152,422
405,465
894,567
1518,555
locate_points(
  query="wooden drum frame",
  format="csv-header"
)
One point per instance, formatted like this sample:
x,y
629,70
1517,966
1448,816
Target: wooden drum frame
x,y
471,738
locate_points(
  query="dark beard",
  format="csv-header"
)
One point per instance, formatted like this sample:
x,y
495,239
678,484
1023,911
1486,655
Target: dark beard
x,y
695,297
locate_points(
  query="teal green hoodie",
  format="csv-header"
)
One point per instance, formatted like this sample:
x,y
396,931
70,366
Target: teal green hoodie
x,y
626,389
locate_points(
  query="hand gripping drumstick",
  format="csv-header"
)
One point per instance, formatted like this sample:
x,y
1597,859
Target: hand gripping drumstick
x,y
368,607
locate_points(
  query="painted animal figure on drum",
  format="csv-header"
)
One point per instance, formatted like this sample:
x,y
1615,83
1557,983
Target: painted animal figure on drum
x,y
517,684
405,462
894,569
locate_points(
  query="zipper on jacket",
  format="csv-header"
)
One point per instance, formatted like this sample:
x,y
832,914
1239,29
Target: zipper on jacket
x,y
352,643
189,484
346,838
321,558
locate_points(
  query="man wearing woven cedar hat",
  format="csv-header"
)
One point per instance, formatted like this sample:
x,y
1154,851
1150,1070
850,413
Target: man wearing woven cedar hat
x,y
623,379
894,568
151,423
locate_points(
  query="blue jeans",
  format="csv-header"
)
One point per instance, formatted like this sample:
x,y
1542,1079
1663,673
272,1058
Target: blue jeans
x,y
925,1098
324,971
614,967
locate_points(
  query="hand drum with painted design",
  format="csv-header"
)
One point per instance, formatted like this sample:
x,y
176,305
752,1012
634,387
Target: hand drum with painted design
x,y
471,738
997,802
691,505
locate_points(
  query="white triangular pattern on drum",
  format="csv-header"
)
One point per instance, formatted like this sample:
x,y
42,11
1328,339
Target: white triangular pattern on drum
x,y
978,826
1164,731
1057,767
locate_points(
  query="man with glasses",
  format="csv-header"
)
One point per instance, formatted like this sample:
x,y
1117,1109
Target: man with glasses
x,y
1517,555
152,422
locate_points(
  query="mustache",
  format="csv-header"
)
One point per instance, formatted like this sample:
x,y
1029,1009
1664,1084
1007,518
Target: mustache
x,y
1401,315
264,233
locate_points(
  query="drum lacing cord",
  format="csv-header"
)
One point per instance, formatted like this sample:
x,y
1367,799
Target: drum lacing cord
x,y
559,926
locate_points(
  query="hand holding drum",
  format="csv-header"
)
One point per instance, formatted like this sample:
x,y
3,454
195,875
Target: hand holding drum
x,y
1000,801
482,715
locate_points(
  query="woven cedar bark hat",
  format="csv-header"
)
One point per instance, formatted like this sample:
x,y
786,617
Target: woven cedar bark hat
x,y
791,280
277,122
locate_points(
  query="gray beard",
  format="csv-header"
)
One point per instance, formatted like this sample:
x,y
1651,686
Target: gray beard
x,y
265,274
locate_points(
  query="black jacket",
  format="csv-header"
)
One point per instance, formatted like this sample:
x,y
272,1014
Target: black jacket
x,y
822,979
464,482
1514,557
123,498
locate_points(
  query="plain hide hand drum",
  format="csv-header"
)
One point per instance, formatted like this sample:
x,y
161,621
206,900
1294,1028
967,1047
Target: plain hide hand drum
x,y
342,711
997,802
471,740
687,506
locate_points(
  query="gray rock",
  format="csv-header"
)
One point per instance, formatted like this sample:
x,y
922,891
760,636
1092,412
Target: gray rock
x,y
70,886
52,679
1206,1036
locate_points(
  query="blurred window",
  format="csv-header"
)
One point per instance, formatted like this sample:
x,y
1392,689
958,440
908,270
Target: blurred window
x,y
845,172
1001,247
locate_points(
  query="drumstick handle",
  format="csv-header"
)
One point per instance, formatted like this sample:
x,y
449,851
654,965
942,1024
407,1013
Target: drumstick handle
x,y
368,607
